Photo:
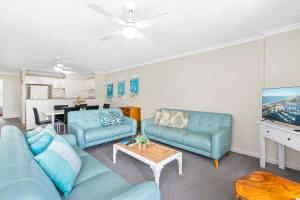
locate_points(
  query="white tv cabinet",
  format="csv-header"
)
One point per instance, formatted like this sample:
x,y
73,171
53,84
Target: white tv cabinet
x,y
284,135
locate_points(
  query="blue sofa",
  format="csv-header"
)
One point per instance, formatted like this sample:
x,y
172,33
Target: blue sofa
x,y
22,178
207,134
85,125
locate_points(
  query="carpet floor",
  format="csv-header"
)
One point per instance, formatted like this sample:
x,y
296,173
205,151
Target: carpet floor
x,y
199,181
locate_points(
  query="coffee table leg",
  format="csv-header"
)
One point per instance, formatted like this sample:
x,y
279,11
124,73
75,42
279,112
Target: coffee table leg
x,y
156,172
115,150
179,159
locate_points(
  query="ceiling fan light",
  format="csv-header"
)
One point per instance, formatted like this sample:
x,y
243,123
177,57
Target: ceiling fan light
x,y
58,69
130,32
67,72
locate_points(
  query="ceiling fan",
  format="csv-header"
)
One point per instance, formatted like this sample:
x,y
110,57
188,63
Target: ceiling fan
x,y
129,28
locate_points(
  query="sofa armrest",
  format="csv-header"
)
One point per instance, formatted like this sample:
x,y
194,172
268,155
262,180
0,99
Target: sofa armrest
x,y
221,142
144,191
70,138
128,120
78,132
145,123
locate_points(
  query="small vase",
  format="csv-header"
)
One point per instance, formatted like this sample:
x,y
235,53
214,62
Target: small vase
x,y
144,146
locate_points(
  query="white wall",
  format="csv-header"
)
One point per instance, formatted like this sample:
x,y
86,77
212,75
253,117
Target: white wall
x,y
225,80
12,96
283,69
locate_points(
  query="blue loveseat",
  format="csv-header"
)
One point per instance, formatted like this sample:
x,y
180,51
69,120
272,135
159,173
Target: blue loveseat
x,y
85,125
207,134
22,178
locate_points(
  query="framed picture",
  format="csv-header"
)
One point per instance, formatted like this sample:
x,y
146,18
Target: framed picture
x,y
134,86
110,90
121,87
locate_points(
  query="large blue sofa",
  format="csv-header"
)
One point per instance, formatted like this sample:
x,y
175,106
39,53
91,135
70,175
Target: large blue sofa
x,y
22,178
85,125
208,134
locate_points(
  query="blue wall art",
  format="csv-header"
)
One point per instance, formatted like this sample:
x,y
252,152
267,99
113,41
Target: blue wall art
x,y
134,86
121,88
110,90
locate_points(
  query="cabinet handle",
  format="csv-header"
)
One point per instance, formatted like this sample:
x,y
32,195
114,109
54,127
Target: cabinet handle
x,y
289,138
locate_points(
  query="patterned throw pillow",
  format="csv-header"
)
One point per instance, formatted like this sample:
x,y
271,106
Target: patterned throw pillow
x,y
179,119
157,117
110,118
165,117
61,164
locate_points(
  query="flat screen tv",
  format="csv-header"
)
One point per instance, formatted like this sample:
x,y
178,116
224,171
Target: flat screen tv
x,y
281,104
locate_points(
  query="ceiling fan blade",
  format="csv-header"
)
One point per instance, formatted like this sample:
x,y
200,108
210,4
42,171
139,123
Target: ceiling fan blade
x,y
143,38
104,12
110,35
152,21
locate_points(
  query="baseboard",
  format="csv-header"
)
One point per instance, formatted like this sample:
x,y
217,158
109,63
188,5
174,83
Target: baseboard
x,y
268,160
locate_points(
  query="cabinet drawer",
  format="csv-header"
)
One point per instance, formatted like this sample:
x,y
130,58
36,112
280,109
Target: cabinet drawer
x,y
126,112
288,139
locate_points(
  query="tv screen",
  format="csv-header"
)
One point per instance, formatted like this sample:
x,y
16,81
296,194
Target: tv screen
x,y
282,104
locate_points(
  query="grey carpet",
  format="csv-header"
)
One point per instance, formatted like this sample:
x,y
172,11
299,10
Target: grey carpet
x,y
199,181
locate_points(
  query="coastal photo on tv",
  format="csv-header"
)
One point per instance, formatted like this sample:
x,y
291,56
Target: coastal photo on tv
x,y
282,104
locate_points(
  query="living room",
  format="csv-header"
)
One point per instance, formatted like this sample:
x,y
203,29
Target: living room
x,y
211,63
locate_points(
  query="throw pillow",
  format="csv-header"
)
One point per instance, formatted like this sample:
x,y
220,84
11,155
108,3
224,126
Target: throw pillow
x,y
48,129
34,132
61,163
165,117
41,144
179,119
110,118
157,117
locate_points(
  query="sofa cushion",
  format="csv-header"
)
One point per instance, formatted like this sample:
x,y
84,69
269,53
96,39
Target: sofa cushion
x,y
61,163
90,168
179,119
198,140
94,134
41,144
165,117
104,186
85,119
120,129
208,122
155,130
174,134
157,117
34,132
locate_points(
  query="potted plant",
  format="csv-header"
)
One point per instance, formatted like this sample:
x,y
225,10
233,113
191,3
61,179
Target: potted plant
x,y
142,141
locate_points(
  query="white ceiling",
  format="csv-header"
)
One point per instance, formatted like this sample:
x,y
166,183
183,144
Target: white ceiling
x,y
34,32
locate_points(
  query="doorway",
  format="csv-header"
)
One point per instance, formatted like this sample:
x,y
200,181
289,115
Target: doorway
x,y
1,98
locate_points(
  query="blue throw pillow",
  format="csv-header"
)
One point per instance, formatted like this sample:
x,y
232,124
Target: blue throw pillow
x,y
110,118
61,163
48,129
41,144
34,132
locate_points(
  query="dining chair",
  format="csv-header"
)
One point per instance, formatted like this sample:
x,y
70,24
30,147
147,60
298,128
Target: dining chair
x,y
96,107
106,105
37,120
66,111
59,118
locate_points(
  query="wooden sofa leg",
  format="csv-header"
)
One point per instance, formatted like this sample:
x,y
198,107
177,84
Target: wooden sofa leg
x,y
216,163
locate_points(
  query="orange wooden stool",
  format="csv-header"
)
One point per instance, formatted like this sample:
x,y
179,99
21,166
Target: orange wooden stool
x,y
260,185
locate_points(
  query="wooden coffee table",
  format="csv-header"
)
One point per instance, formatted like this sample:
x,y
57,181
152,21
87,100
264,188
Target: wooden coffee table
x,y
261,185
155,155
